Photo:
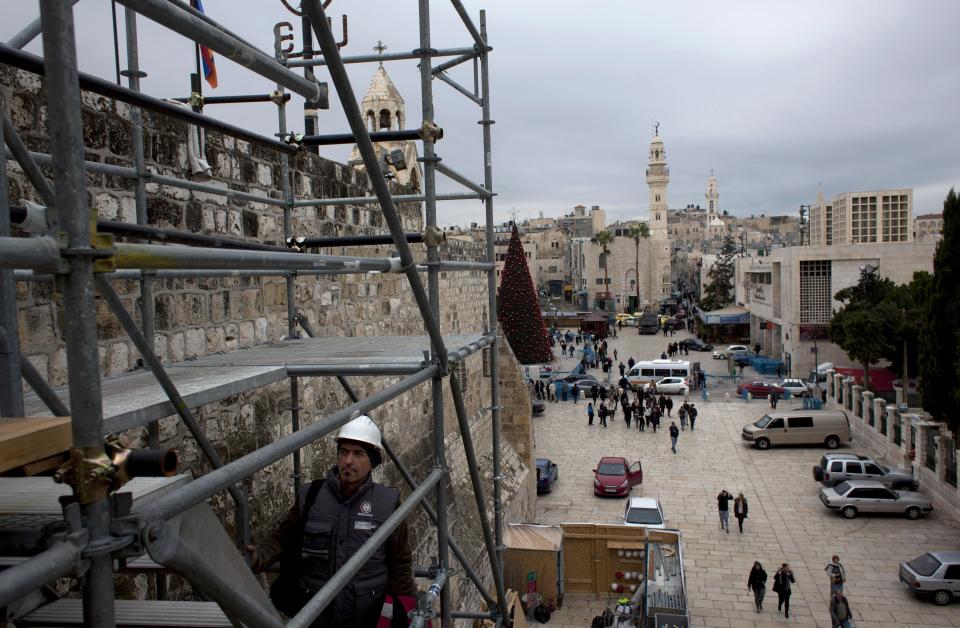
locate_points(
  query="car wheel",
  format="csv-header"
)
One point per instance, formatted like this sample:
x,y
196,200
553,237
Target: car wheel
x,y
913,513
832,442
763,443
848,512
942,597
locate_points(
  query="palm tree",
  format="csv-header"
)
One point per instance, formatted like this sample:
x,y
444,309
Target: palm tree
x,y
639,230
604,238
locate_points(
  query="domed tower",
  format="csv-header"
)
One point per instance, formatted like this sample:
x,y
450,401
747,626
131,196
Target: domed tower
x,y
658,176
384,110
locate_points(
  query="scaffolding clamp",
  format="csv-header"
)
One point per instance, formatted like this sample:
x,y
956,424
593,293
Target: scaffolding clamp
x,y
196,100
277,96
90,477
430,132
434,236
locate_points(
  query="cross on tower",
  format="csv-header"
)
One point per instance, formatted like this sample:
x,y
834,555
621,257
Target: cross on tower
x,y
380,47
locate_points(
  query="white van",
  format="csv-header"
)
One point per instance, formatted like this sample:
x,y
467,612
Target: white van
x,y
830,428
649,371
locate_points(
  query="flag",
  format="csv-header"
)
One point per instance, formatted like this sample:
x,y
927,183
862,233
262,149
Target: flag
x,y
206,55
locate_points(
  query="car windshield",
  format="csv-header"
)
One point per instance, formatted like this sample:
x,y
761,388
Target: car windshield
x,y
842,488
646,516
611,468
762,423
925,565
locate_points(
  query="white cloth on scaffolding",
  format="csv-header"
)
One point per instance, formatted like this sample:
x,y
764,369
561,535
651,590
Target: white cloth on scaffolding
x,y
196,140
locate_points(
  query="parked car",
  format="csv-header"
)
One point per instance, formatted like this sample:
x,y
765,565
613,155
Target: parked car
x,y
731,350
759,389
578,377
835,468
799,427
796,386
934,574
547,475
614,476
584,385
695,344
853,497
644,511
672,386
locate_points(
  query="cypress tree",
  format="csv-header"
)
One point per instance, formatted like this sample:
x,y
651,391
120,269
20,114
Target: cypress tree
x,y
940,338
519,309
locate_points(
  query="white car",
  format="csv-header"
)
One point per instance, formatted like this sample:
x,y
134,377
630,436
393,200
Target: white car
x,y
644,511
796,386
671,386
723,354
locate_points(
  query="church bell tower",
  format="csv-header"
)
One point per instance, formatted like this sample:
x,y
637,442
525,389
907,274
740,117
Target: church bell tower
x,y
658,176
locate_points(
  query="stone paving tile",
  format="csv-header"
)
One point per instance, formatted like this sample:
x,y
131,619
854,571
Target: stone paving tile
x,y
787,522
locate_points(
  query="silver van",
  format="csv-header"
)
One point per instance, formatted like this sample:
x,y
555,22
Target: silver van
x,y
830,428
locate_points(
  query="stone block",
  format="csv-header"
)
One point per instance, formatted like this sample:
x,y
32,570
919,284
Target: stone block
x,y
118,358
247,334
195,342
177,347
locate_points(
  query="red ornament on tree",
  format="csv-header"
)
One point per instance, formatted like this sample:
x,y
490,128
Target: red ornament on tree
x,y
519,309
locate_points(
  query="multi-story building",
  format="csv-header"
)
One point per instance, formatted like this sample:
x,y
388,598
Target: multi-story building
x,y
789,293
928,227
882,216
583,224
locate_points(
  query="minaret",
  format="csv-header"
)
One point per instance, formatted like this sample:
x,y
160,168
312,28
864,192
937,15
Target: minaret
x,y
713,198
658,175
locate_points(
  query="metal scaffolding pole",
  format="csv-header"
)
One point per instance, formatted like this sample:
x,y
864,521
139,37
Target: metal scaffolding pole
x,y
32,63
212,35
338,73
462,180
390,56
28,33
19,151
433,286
40,386
70,188
486,122
186,415
373,200
11,388
131,173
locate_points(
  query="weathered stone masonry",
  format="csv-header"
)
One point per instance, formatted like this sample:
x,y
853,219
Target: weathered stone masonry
x,y
203,316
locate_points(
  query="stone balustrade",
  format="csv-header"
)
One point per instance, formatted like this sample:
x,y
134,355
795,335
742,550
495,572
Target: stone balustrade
x,y
904,437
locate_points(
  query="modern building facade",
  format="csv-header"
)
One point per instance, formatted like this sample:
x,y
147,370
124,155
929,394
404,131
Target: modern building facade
x,y
928,227
882,216
790,294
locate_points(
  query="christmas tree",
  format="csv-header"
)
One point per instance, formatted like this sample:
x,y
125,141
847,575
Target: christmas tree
x,y
519,309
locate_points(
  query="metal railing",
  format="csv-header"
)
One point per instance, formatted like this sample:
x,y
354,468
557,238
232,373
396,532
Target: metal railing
x,y
76,258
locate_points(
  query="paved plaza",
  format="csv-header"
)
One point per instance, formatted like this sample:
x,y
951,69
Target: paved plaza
x,y
787,522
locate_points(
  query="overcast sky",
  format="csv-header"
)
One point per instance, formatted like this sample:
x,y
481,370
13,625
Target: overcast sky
x,y
776,97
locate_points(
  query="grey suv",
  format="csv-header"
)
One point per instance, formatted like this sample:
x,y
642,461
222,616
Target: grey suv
x,y
836,468
935,574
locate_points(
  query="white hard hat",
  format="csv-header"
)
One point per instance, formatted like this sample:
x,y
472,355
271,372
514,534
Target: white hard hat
x,y
362,430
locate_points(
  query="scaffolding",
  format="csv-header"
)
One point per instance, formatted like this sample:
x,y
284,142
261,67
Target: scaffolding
x,y
78,252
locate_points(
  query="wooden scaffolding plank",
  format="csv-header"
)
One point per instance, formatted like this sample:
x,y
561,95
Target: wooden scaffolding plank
x,y
25,440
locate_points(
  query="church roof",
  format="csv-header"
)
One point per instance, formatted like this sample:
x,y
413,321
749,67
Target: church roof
x,y
382,88
717,222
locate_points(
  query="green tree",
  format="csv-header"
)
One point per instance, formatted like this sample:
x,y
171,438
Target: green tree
x,y
604,239
518,309
940,337
638,231
718,291
910,307
865,327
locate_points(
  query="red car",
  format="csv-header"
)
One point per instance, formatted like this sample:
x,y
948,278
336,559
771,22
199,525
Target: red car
x,y
615,477
760,389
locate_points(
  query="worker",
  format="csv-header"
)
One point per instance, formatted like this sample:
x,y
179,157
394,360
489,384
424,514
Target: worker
x,y
329,522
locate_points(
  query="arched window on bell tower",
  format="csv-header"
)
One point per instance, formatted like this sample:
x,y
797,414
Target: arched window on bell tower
x,y
385,120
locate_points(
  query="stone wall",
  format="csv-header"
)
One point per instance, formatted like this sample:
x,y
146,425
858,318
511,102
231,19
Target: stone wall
x,y
195,317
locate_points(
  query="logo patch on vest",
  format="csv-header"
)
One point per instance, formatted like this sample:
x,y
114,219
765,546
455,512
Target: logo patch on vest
x,y
366,509
364,525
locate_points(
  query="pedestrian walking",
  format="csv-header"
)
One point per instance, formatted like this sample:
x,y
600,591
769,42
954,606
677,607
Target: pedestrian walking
x,y
841,615
837,573
576,393
602,413
674,435
662,402
655,418
723,507
669,405
692,412
757,582
603,392
614,354
562,386
594,393
740,510
638,415
781,584
682,413
623,369
589,413
773,400
631,362
627,411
